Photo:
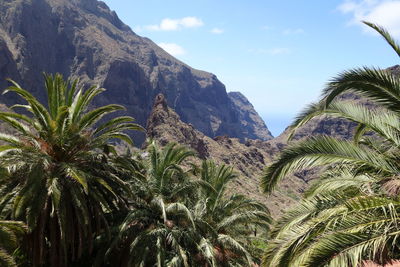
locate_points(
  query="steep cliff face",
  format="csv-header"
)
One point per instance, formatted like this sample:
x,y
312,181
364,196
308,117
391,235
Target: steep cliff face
x,y
83,38
252,124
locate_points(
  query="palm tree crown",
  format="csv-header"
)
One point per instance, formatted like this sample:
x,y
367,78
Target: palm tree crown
x,y
351,213
158,229
58,182
226,220
182,215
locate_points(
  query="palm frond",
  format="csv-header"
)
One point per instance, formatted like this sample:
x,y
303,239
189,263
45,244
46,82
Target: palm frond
x,y
323,150
385,34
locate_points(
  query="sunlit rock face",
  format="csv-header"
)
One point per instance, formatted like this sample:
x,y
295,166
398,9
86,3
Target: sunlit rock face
x,y
85,39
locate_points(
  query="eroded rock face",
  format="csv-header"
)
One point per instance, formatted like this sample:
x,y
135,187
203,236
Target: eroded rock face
x,y
249,158
165,125
85,39
251,122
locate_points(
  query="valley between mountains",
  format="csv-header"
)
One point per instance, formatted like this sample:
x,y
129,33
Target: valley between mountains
x,y
86,40
115,153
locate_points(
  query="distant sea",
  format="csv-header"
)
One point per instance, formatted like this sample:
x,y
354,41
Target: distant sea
x,y
277,123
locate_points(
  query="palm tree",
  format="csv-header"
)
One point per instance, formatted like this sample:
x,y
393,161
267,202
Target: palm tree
x,y
10,232
225,221
59,183
182,215
350,215
159,228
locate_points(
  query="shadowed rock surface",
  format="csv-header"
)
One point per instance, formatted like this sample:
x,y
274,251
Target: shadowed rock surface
x,y
252,124
85,39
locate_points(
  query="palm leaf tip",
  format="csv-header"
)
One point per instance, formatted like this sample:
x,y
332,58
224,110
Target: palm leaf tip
x,y
310,112
385,34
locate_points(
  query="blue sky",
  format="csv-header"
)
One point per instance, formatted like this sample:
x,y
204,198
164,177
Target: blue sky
x,y
277,53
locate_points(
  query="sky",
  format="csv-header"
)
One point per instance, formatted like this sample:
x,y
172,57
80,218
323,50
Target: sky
x,y
279,54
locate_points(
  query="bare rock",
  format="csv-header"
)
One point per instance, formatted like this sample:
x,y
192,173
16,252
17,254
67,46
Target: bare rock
x,y
249,158
85,39
250,121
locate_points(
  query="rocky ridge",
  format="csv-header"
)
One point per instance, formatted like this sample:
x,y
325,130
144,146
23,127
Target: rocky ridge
x,y
252,124
85,39
248,158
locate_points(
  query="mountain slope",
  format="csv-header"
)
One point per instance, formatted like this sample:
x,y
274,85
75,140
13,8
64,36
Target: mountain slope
x,y
83,38
249,159
251,122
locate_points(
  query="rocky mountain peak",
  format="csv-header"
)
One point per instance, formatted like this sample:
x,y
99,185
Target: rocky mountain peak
x,y
160,101
251,122
240,97
85,39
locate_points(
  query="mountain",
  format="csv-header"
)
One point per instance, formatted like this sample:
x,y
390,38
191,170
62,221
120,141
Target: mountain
x,y
85,39
249,158
252,124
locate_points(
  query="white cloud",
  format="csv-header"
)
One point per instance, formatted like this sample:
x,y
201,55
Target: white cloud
x,y
191,22
217,31
168,24
382,12
173,49
293,31
272,51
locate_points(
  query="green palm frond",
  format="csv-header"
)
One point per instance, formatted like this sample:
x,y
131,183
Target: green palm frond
x,y
61,187
10,231
350,214
180,219
380,120
230,243
227,216
161,223
323,150
341,179
386,35
39,111
379,86
310,112
207,250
